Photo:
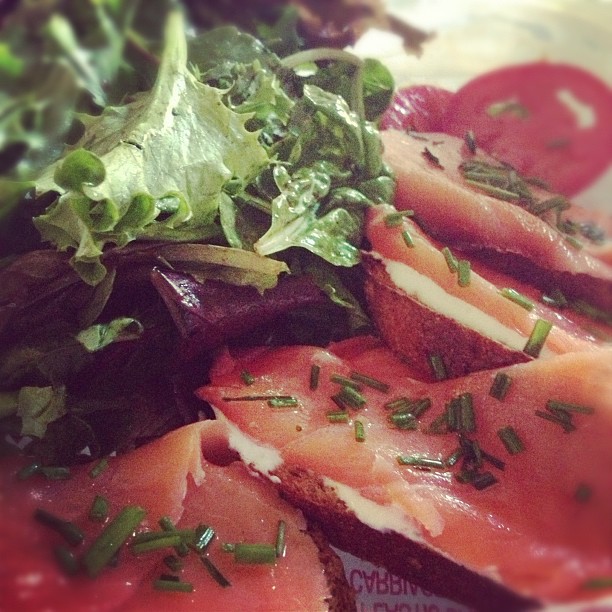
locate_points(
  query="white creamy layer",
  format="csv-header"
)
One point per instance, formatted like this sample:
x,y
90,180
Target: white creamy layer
x,y
430,294
264,459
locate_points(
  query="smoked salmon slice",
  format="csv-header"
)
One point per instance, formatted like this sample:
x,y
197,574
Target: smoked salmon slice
x,y
191,477
462,212
493,489
425,310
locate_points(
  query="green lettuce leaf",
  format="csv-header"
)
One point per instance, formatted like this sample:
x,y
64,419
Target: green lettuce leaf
x,y
167,157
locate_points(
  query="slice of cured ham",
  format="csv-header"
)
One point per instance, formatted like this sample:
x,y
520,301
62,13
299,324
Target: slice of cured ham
x,y
190,476
536,527
429,181
424,311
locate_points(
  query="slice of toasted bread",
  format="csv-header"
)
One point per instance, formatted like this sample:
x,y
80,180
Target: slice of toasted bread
x,y
418,333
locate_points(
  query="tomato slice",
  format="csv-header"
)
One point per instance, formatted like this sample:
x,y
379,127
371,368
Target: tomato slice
x,y
416,107
552,121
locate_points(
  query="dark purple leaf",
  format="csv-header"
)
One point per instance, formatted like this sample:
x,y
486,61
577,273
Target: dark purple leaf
x,y
213,313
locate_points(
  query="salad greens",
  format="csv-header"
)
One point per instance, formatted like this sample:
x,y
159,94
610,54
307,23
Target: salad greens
x,y
138,168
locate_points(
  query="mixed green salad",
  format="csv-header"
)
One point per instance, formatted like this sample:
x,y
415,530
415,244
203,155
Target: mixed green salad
x,y
168,189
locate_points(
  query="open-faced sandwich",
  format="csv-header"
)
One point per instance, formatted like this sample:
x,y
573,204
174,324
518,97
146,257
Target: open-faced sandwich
x,y
240,325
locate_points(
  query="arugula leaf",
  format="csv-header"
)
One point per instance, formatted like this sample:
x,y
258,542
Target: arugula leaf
x,y
295,221
167,155
97,337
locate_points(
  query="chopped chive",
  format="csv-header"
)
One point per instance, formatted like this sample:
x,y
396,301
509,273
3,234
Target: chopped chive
x,y
420,406
339,416
254,554
574,242
420,462
368,381
67,529
451,260
538,336
583,493
99,509
359,431
113,536
55,473
501,385
345,381
403,420
407,238
29,470
255,398
601,582
466,414
281,544
568,407
558,418
173,563
496,192
162,584
494,461
393,219
165,522
349,397
315,371
454,457
164,540
204,535
472,452
282,402
464,269
558,202
398,403
453,414
431,158
67,560
437,367
100,467
151,536
247,377
483,480
470,141
517,298
460,413
511,440
216,574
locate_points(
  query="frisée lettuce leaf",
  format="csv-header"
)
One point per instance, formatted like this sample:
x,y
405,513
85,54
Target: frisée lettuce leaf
x,y
167,156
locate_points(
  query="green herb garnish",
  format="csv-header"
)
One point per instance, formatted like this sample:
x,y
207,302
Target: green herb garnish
x,y
501,385
67,529
113,536
538,336
315,371
99,509
517,298
511,440
368,381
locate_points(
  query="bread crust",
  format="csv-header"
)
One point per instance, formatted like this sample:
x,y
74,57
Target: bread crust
x,y
407,559
343,597
414,331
